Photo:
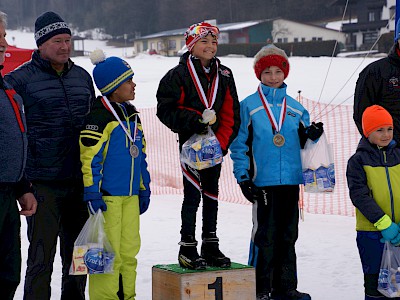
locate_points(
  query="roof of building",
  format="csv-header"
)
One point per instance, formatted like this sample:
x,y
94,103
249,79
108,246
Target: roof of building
x,y
222,28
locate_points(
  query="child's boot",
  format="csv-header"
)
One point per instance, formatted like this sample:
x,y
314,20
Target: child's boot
x,y
211,253
188,256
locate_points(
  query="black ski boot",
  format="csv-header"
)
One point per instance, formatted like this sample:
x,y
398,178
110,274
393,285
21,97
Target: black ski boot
x,y
188,257
211,253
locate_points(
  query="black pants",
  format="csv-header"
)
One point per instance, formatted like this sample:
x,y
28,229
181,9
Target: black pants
x,y
61,212
10,243
197,184
275,231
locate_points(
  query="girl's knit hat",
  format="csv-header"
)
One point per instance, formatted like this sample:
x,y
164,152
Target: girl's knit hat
x,y
270,56
109,73
375,117
198,31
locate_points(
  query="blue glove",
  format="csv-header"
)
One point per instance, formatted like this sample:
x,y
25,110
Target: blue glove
x,y
391,234
144,201
95,205
94,202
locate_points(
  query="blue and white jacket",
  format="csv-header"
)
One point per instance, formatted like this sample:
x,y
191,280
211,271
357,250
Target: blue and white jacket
x,y
253,153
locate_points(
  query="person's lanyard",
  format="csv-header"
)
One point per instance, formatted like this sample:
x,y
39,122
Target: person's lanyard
x,y
10,94
133,149
208,103
278,140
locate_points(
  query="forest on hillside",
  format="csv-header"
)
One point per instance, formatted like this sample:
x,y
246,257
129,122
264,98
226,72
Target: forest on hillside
x,y
138,17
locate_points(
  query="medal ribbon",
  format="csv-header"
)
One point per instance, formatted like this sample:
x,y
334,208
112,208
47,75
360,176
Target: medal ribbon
x,y
208,103
108,105
277,127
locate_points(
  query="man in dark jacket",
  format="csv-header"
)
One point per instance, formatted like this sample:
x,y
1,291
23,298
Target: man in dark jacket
x,y
379,83
13,185
57,96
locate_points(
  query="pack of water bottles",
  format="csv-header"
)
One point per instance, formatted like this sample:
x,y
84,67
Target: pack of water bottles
x,y
92,252
318,166
202,151
389,273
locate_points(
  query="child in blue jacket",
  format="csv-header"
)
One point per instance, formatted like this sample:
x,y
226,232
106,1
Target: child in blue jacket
x,y
267,166
373,175
116,179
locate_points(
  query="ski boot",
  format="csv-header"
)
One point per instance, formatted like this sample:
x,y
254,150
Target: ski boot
x,y
211,253
291,295
188,257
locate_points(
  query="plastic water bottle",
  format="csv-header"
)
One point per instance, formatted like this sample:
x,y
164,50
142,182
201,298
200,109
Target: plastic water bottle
x,y
397,278
383,280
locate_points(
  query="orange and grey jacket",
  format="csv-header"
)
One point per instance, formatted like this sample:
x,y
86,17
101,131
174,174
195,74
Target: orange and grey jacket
x,y
107,165
373,178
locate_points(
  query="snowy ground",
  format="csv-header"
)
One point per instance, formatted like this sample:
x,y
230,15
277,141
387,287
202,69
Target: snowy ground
x,y
328,263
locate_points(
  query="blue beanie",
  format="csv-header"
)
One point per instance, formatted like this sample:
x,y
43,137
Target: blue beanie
x,y
48,25
397,32
110,73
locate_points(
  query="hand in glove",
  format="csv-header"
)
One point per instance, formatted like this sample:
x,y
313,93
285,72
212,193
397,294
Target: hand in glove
x,y
389,230
314,131
249,190
95,205
209,116
95,202
199,127
144,201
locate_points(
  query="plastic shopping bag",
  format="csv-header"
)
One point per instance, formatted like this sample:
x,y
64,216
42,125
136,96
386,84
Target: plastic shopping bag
x,y
318,166
92,253
389,273
202,151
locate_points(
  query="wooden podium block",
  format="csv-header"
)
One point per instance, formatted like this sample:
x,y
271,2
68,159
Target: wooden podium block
x,y
171,282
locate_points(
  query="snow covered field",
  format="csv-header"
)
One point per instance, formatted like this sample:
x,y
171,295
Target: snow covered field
x,y
328,263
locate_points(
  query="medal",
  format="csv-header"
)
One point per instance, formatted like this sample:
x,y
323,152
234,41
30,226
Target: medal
x,y
134,151
279,140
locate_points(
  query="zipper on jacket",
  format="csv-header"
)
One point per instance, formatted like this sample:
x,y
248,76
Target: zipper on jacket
x,y
389,185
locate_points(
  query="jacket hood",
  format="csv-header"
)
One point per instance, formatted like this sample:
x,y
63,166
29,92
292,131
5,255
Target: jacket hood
x,y
365,145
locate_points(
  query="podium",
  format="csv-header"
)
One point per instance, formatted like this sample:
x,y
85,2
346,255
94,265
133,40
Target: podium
x,y
171,282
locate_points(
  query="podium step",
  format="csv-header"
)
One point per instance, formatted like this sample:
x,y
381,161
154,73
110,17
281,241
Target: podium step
x,y
171,282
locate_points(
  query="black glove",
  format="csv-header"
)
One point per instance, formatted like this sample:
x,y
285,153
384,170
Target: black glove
x,y
199,127
314,131
249,190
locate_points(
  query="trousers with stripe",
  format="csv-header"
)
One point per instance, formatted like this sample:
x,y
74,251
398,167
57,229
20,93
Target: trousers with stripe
x,y
275,231
122,230
199,184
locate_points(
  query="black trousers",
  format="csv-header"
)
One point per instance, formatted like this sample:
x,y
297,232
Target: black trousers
x,y
10,242
275,231
199,184
61,213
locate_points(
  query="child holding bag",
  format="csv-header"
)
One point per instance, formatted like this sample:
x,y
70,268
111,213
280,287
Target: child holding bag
x,y
373,176
267,166
197,93
116,179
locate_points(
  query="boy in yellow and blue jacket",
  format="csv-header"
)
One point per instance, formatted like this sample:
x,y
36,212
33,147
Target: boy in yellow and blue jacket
x,y
116,179
373,176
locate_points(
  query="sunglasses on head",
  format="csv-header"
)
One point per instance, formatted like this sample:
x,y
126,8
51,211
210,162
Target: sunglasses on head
x,y
203,31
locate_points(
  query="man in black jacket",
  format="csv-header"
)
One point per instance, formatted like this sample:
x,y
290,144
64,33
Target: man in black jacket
x,y
379,83
13,185
57,96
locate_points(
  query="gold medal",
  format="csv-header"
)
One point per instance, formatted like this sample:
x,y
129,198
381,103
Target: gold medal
x,y
278,140
134,151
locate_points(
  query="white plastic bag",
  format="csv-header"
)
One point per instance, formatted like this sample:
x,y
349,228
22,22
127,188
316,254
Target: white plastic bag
x,y
202,151
318,166
389,273
92,253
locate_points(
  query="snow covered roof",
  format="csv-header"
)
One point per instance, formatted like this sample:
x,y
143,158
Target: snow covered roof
x,y
222,28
